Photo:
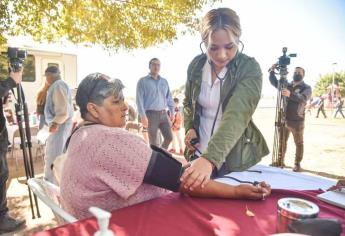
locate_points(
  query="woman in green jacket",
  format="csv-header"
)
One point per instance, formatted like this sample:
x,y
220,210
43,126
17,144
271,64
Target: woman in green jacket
x,y
223,89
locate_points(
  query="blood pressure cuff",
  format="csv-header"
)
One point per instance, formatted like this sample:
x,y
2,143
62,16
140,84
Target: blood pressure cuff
x,y
163,170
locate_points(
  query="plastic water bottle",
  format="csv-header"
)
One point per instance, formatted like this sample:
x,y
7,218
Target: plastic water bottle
x,y
34,119
103,221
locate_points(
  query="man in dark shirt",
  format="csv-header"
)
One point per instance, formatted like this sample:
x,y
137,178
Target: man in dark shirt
x,y
321,108
7,223
297,94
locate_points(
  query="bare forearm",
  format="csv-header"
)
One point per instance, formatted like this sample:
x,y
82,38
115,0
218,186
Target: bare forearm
x,y
212,189
220,190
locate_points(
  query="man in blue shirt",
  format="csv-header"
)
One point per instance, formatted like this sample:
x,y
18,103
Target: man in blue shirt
x,y
153,98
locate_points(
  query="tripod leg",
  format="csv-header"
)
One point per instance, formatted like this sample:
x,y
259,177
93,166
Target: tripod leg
x,y
25,137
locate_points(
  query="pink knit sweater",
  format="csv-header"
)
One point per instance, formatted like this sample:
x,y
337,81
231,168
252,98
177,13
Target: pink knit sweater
x,y
105,167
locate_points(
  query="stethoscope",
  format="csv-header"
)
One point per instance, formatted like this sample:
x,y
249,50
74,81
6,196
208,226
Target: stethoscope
x,y
221,80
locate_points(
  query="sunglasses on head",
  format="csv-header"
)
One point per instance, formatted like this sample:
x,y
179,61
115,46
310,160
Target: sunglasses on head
x,y
98,77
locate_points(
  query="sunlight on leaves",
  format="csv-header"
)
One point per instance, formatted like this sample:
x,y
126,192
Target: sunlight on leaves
x,y
116,24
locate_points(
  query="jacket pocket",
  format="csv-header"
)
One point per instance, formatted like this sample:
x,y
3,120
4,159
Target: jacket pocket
x,y
248,151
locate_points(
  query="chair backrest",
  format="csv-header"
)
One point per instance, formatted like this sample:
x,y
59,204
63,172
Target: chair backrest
x,y
33,132
58,166
49,193
16,134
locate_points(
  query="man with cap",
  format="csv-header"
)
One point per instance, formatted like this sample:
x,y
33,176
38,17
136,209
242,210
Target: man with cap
x,y
7,223
58,113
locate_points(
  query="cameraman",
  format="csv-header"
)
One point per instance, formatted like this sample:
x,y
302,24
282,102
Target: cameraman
x,y
297,94
7,223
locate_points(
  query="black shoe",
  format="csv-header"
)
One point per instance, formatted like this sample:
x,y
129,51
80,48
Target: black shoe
x,y
9,224
297,168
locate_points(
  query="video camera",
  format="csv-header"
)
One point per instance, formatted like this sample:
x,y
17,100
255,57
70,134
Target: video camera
x,y
284,60
16,58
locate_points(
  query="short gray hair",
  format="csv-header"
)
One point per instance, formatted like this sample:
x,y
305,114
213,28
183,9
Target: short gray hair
x,y
53,71
95,88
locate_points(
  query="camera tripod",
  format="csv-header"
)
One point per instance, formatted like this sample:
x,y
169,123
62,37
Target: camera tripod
x,y
279,146
25,143
280,121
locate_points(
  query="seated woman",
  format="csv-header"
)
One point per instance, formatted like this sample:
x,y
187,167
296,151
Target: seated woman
x,y
111,168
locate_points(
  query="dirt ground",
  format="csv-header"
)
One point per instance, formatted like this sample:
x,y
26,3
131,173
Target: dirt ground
x,y
324,143
324,156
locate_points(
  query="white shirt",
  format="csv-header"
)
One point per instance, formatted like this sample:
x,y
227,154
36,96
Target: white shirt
x,y
209,99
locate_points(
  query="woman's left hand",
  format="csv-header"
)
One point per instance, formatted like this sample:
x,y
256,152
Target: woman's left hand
x,y
248,191
198,174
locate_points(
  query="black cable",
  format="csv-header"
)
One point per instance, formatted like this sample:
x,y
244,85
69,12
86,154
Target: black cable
x,y
255,183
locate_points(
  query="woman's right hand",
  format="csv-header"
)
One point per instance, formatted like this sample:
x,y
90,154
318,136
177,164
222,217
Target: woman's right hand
x,y
191,134
248,191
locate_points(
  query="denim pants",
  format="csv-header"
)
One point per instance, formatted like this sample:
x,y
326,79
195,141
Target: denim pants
x,y
297,130
159,120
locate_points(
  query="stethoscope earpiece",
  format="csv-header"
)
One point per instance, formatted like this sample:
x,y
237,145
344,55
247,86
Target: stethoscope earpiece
x,y
202,51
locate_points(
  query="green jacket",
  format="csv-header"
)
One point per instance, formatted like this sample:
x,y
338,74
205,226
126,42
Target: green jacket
x,y
237,141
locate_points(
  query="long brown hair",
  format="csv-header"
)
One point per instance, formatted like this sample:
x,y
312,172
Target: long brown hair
x,y
41,94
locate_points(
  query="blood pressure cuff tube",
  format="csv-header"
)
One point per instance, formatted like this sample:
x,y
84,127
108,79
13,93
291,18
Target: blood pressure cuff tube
x,y
163,170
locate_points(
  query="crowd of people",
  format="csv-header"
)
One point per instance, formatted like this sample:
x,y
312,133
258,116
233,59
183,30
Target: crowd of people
x,y
223,88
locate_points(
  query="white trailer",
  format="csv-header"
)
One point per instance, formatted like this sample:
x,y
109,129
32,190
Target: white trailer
x,y
37,61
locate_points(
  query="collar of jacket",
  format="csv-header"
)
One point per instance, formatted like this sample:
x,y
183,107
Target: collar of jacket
x,y
300,85
196,71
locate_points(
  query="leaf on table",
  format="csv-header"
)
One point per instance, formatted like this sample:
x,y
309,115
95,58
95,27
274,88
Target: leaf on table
x,y
249,212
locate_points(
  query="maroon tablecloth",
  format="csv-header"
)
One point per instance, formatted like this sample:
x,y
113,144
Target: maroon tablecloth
x,y
176,214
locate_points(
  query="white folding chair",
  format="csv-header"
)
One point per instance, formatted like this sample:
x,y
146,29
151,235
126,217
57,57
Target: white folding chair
x,y
37,146
49,193
15,145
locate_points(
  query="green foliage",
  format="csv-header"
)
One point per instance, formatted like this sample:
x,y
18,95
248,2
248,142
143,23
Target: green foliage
x,y
114,24
326,80
5,20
